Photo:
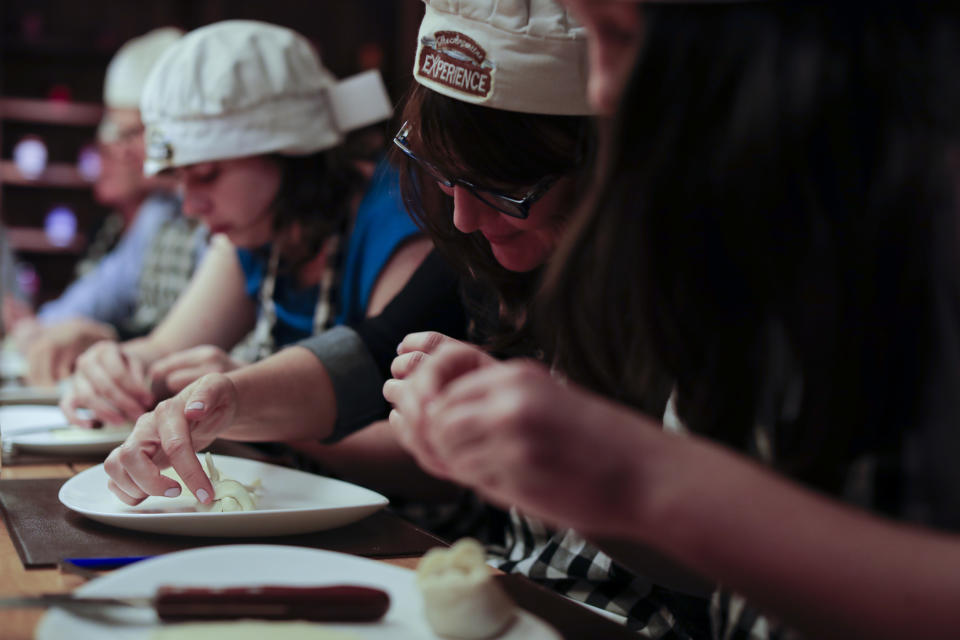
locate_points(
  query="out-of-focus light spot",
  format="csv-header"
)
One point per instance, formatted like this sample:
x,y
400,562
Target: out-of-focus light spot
x,y
27,279
32,25
60,226
88,162
60,93
30,157
369,56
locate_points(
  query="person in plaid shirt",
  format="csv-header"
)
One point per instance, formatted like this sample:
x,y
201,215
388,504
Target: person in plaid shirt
x,y
782,207
104,293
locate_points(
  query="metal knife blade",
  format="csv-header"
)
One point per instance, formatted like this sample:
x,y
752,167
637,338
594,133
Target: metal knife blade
x,y
70,601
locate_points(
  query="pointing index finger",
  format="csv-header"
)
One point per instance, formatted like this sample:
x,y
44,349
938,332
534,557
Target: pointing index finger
x,y
174,432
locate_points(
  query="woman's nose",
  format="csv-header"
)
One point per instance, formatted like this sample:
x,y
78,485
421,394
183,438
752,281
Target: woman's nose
x,y
194,204
469,211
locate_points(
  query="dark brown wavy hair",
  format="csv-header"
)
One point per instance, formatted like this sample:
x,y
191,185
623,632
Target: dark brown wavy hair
x,y
778,174
496,149
316,197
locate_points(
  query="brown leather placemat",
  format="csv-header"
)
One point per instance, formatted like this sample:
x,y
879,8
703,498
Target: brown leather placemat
x,y
44,532
572,620
19,458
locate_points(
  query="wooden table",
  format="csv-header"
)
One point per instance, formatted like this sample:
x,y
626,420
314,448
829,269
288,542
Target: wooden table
x,y
570,619
16,624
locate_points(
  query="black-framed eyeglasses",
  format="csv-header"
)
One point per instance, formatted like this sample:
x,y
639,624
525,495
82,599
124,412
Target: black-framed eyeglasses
x,y
515,207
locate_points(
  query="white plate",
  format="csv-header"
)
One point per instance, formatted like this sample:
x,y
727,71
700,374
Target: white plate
x,y
290,502
17,394
66,441
26,416
236,565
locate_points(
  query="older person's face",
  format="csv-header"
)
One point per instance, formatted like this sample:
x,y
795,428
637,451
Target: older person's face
x,y
121,168
615,29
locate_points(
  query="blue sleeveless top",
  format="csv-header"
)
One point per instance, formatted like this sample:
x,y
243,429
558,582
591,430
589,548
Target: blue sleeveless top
x,y
381,226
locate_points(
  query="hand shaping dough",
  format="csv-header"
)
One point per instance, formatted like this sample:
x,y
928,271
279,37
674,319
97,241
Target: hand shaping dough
x,y
229,495
460,598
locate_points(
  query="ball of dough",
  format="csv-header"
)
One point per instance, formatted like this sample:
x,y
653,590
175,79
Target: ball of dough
x,y
460,598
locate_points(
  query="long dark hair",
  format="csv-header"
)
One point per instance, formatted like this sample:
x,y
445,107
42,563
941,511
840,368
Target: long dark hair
x,y
316,196
777,191
496,149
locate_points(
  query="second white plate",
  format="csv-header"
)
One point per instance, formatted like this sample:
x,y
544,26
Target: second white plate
x,y
234,565
18,426
290,502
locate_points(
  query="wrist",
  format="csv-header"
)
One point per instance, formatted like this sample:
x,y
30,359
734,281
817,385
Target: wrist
x,y
245,392
669,481
637,458
141,349
653,497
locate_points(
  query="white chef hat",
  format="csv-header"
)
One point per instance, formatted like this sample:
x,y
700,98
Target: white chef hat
x,y
517,55
240,88
127,73
128,69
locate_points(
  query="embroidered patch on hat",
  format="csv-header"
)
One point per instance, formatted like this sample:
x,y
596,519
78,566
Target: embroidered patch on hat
x,y
456,61
158,147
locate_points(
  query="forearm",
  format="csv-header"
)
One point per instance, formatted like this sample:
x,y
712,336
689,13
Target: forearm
x,y
146,349
811,562
287,396
88,298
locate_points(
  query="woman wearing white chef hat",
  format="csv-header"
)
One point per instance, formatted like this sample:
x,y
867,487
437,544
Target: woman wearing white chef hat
x,y
252,127
496,144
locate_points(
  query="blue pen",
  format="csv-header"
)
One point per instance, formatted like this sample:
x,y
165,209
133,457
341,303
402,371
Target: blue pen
x,y
105,563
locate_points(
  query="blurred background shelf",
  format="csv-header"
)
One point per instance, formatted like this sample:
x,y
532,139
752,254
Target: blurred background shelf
x,y
33,240
51,111
57,175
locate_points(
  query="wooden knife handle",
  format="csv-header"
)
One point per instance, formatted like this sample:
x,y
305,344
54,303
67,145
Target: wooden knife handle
x,y
341,603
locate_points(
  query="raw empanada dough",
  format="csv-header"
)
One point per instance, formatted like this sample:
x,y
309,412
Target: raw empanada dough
x,y
460,598
229,495
250,630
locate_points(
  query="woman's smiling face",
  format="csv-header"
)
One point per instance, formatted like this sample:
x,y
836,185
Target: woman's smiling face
x,y
517,244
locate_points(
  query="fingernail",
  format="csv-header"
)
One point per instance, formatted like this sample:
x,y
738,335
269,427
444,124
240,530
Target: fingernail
x,y
196,405
202,495
172,492
83,414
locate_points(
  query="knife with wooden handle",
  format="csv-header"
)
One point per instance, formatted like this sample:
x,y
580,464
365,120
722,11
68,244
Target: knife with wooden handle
x,y
339,603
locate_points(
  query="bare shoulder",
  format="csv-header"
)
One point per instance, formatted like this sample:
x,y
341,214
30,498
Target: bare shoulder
x,y
398,270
